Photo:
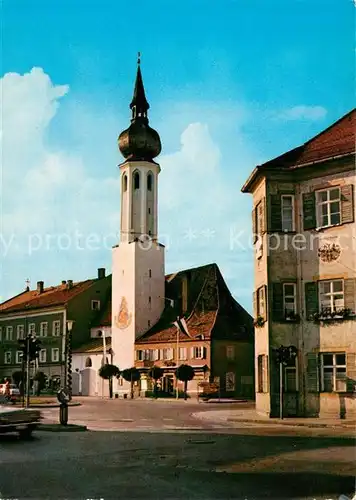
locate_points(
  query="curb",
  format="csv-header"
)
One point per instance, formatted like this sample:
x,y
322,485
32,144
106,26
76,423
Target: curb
x,y
54,405
293,424
62,428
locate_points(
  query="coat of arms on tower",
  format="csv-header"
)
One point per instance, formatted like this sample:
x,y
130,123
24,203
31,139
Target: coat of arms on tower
x,y
329,252
123,319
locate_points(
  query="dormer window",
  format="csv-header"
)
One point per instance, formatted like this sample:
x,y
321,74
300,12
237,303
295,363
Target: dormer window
x,y
136,180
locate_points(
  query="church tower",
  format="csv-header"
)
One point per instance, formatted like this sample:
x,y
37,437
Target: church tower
x,y
138,279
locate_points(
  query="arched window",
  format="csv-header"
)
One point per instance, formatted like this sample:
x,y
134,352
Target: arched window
x,y
149,182
136,180
88,363
124,183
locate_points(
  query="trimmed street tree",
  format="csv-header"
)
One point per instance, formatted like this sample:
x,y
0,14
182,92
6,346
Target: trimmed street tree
x,y
108,372
185,373
155,373
131,375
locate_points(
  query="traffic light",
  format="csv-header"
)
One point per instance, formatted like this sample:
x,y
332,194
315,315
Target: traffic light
x,y
29,347
22,345
34,348
285,354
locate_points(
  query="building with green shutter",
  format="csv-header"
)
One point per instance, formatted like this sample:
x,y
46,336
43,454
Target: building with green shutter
x,y
304,234
44,312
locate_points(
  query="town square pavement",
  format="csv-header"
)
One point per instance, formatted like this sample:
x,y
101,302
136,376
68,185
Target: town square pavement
x,y
159,450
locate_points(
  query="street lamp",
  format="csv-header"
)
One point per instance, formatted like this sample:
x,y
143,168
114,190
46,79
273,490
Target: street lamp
x,y
65,395
70,323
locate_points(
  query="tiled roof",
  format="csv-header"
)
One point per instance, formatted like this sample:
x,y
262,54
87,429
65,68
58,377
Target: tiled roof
x,y
336,140
104,317
95,346
211,312
50,297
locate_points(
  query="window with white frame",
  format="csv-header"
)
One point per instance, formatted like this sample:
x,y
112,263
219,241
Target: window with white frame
x,y
289,300
155,354
44,329
328,207
198,352
32,328
139,355
291,376
9,330
42,356
55,354
333,372
20,330
182,353
7,358
56,328
287,208
19,355
230,352
331,295
167,354
95,305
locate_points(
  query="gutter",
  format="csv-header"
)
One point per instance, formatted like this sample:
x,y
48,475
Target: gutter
x,y
246,187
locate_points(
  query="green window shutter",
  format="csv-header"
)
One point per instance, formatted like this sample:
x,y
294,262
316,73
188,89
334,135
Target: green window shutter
x,y
312,372
254,301
275,213
254,215
263,216
347,204
309,211
277,302
351,372
350,294
311,298
264,298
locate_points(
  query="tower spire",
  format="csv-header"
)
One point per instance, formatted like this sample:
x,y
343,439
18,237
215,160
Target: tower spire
x,y
139,142
139,104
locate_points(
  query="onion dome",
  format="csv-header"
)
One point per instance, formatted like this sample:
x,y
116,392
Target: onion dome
x,y
139,141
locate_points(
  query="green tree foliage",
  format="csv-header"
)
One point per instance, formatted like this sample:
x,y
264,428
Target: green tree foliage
x,y
108,372
131,375
185,373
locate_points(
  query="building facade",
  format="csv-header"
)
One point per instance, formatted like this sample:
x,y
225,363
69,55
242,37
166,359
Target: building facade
x,y
44,313
305,275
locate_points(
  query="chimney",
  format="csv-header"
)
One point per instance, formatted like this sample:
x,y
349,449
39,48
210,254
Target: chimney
x,y
101,273
64,282
40,285
69,284
184,294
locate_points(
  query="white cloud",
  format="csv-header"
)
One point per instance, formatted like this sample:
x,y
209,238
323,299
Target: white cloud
x,y
309,113
49,195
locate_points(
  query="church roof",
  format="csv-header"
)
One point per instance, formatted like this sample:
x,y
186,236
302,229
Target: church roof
x,y
211,310
94,346
52,296
335,141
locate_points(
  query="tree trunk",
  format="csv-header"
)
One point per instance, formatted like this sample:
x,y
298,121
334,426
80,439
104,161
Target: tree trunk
x,y
110,387
185,389
155,389
132,389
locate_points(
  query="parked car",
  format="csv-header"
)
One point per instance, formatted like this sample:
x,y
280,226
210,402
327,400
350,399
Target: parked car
x,y
21,420
14,392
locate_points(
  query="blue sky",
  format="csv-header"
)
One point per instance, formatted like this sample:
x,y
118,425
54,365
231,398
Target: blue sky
x,y
230,84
